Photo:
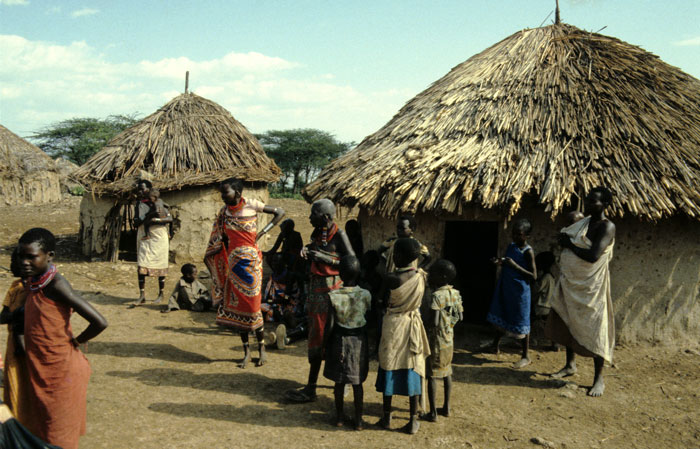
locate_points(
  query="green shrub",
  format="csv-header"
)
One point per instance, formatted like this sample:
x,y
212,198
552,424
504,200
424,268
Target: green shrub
x,y
77,191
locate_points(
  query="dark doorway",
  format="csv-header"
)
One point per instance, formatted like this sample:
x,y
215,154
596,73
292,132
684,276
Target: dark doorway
x,y
127,235
470,245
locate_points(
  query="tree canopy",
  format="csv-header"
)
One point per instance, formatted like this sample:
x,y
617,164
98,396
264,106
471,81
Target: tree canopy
x,y
77,139
301,153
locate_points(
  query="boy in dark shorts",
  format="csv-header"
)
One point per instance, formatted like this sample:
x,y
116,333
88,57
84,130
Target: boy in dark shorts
x,y
347,353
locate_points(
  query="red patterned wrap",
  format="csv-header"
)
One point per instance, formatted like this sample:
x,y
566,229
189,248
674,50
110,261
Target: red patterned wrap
x,y
235,262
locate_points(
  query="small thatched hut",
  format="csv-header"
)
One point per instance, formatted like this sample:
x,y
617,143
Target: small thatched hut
x,y
27,174
524,129
185,148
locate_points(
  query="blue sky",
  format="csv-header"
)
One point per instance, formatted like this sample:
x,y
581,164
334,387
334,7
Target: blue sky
x,y
344,67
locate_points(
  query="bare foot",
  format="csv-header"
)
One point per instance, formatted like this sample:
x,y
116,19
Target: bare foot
x,y
521,363
138,302
412,427
444,411
568,370
246,359
430,417
339,421
597,388
263,357
158,299
385,422
357,425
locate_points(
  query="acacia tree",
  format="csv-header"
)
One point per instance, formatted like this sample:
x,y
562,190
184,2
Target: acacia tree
x,y
77,139
301,153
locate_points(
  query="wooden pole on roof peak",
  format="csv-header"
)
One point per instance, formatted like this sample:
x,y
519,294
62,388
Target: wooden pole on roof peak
x,y
557,18
187,80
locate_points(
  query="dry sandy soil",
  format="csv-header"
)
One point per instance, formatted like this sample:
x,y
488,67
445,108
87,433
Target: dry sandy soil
x,y
170,380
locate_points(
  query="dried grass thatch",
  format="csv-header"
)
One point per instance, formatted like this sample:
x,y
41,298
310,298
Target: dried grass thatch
x,y
548,112
27,174
18,157
189,141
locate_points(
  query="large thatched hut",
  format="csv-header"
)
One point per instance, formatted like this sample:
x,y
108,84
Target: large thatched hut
x,y
185,148
27,174
524,129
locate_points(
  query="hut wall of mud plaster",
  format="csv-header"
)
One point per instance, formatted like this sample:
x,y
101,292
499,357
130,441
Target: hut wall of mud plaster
x,y
655,271
35,188
193,210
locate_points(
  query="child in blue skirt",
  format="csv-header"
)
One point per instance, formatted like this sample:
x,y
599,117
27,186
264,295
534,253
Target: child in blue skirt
x,y
510,307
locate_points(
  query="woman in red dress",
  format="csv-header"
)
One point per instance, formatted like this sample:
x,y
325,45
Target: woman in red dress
x,y
235,262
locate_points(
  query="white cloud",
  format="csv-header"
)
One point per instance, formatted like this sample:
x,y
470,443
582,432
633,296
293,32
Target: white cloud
x,y
13,2
692,42
84,12
239,62
45,82
53,10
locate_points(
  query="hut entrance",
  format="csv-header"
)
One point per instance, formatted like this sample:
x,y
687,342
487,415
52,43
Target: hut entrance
x,y
127,234
470,245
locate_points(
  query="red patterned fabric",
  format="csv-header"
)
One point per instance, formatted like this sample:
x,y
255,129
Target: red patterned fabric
x,y
235,262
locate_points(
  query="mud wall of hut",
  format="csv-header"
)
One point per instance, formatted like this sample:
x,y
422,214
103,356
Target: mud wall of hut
x,y
193,210
33,188
655,271
93,216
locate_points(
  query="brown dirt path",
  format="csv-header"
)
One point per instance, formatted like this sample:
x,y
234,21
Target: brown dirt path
x,y
170,380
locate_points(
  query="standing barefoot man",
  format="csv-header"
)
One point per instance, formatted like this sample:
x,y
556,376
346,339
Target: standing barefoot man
x,y
582,316
328,244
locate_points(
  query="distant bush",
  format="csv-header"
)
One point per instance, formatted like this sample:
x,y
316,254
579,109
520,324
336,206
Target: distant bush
x,y
77,191
286,195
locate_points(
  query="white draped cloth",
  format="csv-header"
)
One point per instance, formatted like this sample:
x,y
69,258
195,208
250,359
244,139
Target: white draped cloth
x,y
582,296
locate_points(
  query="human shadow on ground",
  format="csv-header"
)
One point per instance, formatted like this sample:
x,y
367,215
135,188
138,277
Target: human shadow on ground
x,y
160,351
292,349
97,297
470,368
259,387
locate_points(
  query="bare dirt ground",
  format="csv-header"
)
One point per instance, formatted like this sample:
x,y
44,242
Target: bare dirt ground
x,y
169,380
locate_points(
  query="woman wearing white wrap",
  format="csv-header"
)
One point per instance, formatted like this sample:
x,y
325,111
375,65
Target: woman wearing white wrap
x,y
582,316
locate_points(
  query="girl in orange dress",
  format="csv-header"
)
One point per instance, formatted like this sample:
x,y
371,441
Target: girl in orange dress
x,y
58,371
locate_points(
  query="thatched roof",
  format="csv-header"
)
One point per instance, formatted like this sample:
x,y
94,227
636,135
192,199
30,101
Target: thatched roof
x,y
550,113
190,141
17,156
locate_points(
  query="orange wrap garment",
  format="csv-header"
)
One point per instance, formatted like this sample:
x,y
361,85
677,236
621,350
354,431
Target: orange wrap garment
x,y
58,373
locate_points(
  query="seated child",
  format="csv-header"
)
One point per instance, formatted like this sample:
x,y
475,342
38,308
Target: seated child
x,y
280,302
58,371
15,383
542,293
510,306
157,210
446,310
403,345
347,354
189,293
